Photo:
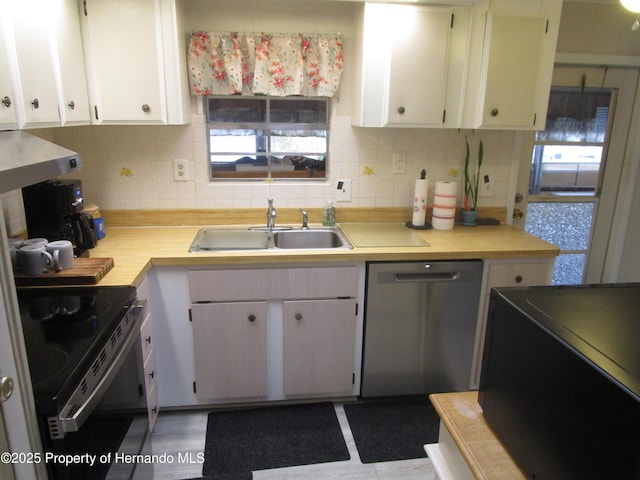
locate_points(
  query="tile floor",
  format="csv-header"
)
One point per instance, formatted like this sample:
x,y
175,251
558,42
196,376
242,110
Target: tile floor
x,y
178,434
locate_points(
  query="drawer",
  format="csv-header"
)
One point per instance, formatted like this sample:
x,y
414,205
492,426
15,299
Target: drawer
x,y
518,274
146,336
153,408
272,284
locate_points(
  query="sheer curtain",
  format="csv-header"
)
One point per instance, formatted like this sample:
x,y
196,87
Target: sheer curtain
x,y
278,64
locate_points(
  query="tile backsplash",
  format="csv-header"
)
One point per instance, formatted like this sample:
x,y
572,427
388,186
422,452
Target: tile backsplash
x,y
131,167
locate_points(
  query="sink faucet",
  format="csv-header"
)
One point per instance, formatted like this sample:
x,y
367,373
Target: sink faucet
x,y
271,215
305,219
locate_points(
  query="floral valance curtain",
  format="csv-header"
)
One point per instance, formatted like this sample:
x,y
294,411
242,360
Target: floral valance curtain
x,y
279,64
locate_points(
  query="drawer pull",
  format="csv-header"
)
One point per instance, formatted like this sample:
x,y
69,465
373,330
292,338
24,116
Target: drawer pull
x,y
252,318
298,316
148,340
152,374
518,278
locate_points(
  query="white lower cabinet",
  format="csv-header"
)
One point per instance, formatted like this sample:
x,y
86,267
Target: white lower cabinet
x,y
230,349
517,272
263,333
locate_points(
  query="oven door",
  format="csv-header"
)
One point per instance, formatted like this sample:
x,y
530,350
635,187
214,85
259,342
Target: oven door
x,y
98,438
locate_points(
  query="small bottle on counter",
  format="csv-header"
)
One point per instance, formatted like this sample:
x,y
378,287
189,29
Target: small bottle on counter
x,y
329,214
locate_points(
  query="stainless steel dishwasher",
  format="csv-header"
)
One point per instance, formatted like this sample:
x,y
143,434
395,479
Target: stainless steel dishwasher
x,y
420,326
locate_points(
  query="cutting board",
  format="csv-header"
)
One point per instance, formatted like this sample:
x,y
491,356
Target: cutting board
x,y
85,271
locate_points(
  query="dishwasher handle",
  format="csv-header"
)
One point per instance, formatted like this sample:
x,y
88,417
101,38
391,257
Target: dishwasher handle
x,y
426,277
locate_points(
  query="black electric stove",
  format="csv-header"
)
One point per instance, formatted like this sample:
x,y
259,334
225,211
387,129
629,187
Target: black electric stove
x,y
65,330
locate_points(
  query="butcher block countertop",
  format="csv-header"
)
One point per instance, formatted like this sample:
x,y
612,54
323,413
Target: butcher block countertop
x,y
484,454
136,249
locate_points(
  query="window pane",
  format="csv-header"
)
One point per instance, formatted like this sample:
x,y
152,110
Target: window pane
x,y
298,111
237,109
566,167
232,141
569,269
576,116
567,225
300,141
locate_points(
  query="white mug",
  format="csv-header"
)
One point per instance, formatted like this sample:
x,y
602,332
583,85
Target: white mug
x,y
62,253
34,259
36,241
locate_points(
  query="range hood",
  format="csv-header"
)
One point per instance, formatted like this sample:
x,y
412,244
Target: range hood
x,y
26,159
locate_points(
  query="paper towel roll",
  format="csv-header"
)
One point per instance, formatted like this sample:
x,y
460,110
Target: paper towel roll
x,y
442,223
444,205
420,202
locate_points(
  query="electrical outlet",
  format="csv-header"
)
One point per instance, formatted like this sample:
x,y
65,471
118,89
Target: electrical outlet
x,y
343,191
485,186
399,163
180,170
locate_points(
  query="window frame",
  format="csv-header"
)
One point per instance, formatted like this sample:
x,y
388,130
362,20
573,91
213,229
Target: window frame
x,y
263,131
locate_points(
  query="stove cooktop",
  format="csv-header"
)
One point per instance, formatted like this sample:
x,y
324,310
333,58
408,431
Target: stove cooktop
x,y
64,331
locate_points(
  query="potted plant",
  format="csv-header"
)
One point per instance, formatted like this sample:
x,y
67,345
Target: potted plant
x,y
471,187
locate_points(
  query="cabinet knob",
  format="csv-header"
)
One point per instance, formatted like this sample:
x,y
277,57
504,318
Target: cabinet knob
x,y
518,278
401,110
72,105
154,410
298,316
152,374
252,318
148,339
6,101
495,112
36,103
146,108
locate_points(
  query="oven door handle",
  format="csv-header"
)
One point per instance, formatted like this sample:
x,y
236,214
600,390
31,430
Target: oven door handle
x,y
72,423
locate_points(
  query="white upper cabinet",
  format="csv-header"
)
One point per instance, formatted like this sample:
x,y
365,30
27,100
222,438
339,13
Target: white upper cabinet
x,y
8,120
29,40
509,76
410,65
134,54
73,95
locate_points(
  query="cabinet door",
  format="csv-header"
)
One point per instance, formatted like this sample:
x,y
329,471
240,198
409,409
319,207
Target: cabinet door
x,y
418,65
123,45
8,120
319,343
412,65
511,63
74,97
230,349
30,51
514,50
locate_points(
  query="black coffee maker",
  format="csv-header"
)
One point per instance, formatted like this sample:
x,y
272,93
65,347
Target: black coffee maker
x,y
52,209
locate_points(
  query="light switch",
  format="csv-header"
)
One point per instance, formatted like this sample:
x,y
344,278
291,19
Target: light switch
x,y
343,191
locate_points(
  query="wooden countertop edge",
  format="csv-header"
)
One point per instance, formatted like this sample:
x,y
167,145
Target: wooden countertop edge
x,y
137,249
498,464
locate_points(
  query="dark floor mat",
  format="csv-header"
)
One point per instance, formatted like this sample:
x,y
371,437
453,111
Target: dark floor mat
x,y
392,429
240,441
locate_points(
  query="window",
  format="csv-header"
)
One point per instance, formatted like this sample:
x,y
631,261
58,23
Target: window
x,y
565,175
568,152
267,137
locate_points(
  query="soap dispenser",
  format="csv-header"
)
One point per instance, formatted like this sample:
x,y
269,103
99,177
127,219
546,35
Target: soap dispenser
x,y
329,215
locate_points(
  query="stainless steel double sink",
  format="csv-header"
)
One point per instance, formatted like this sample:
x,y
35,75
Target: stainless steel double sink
x,y
218,239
